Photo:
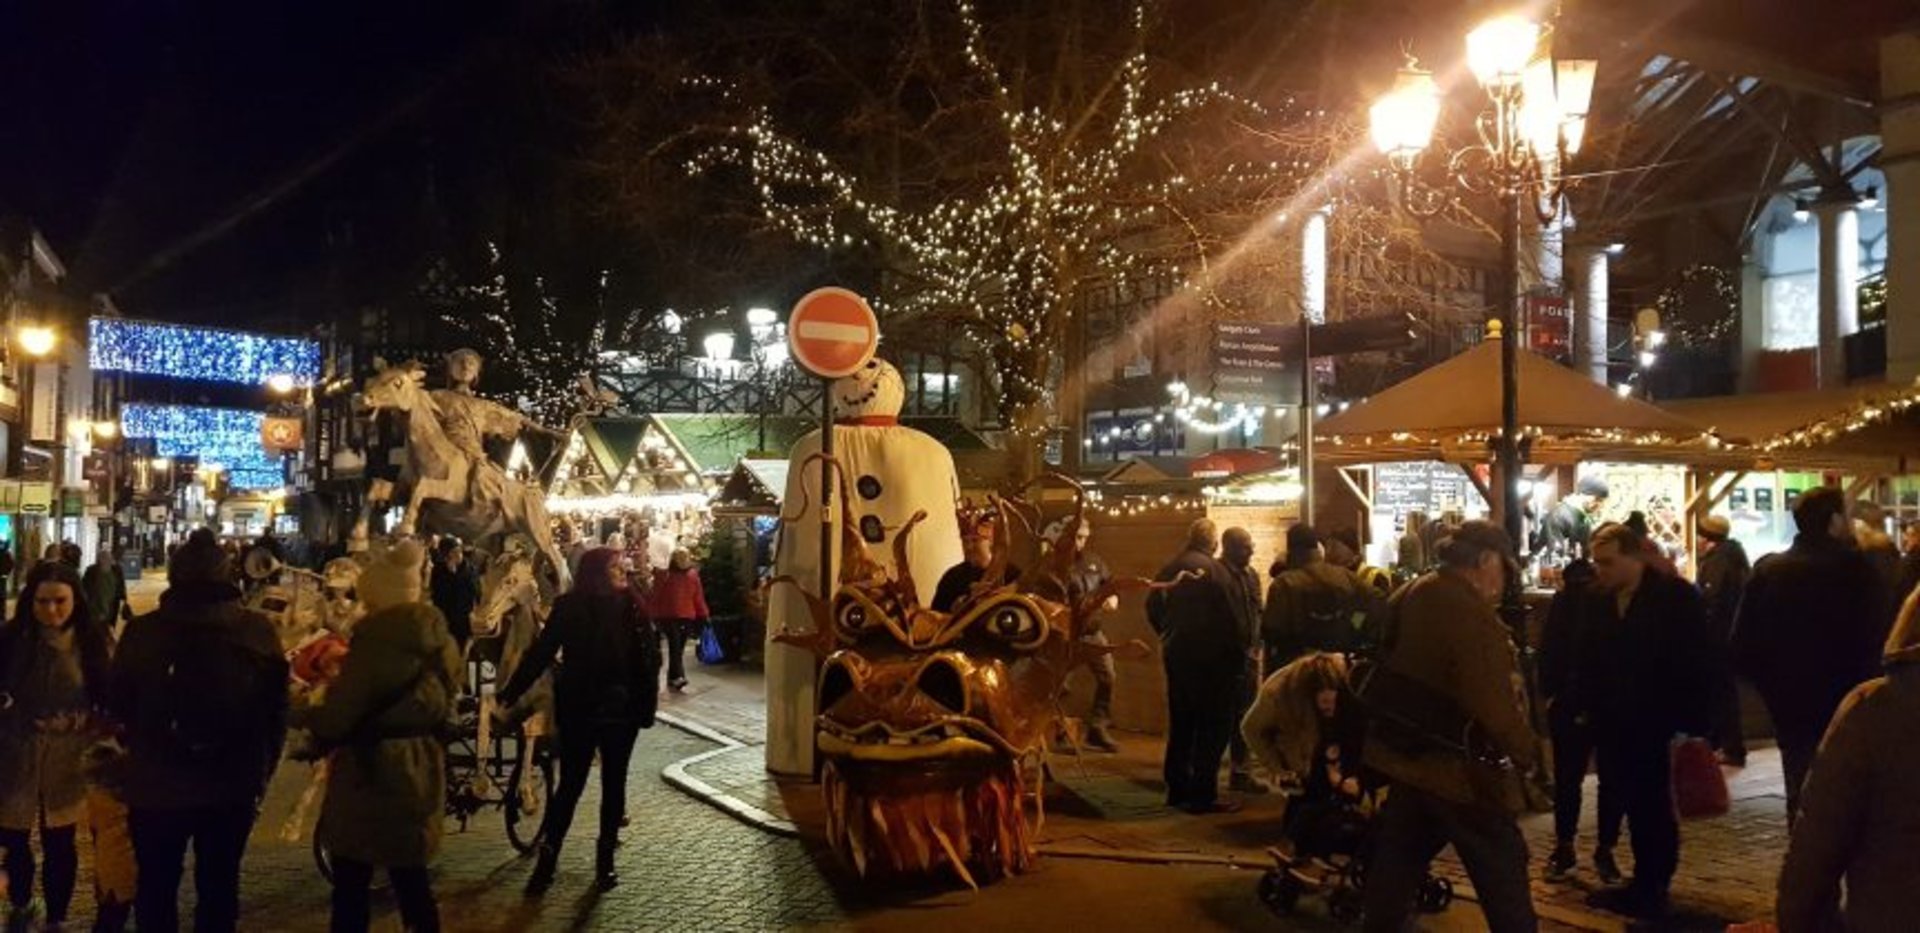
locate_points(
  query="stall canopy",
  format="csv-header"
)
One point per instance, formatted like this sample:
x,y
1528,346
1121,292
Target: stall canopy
x,y
1448,411
1874,428
1149,469
753,488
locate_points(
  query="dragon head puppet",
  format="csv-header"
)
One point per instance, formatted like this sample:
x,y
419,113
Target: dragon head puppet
x,y
933,726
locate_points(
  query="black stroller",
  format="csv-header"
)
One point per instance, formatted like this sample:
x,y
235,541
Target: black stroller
x,y
1326,857
1328,821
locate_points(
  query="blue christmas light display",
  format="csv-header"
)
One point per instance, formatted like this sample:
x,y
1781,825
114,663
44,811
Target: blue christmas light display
x,y
226,436
115,345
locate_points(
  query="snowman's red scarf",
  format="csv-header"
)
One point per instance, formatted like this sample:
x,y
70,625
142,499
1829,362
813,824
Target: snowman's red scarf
x,y
870,421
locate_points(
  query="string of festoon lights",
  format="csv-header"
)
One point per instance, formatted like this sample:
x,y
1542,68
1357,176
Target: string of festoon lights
x,y
1210,415
1108,505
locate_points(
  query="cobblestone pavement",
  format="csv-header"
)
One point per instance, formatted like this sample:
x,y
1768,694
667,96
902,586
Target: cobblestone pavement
x,y
1112,803
689,866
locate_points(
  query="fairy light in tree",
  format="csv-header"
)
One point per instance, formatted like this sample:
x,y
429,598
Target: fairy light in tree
x,y
1072,202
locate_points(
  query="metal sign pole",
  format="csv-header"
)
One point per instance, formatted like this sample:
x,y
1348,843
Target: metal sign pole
x,y
826,489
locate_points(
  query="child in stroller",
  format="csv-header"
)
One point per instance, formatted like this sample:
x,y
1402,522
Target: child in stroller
x,y
1306,723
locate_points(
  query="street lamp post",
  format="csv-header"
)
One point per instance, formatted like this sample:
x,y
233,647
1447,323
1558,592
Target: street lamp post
x,y
1536,121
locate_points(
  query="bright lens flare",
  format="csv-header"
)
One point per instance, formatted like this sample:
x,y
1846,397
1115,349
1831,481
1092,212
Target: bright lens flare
x,y
1498,50
1402,120
37,341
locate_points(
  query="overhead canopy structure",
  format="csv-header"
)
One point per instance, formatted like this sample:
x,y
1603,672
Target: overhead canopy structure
x,y
1874,428
1449,411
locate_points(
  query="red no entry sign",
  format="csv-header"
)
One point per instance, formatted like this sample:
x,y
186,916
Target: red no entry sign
x,y
832,332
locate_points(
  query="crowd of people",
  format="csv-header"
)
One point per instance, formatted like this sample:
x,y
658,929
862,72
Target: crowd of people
x,y
1632,658
159,734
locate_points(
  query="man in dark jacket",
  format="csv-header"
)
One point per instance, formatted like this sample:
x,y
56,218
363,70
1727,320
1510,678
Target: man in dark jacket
x,y
1446,638
201,687
1569,527
455,589
976,556
1314,605
1810,629
1723,580
106,589
1243,590
1565,642
1649,675
1204,650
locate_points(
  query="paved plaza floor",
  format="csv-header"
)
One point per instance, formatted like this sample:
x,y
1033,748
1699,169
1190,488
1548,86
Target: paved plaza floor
x,y
716,845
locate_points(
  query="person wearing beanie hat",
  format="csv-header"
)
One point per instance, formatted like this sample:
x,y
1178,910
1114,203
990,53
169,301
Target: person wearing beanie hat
x,y
200,686
394,693
1858,811
393,577
1722,578
1569,526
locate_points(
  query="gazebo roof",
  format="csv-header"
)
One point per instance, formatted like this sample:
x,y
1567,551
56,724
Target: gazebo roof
x,y
1868,426
1461,397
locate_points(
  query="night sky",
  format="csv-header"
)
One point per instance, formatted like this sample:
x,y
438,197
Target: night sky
x,y
249,163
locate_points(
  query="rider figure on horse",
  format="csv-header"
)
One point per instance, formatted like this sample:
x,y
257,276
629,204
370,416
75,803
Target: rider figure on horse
x,y
469,421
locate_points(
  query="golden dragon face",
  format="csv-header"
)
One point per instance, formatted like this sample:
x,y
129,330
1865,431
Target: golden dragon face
x,y
933,725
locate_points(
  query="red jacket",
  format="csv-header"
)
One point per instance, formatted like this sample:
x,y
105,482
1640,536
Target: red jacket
x,y
677,594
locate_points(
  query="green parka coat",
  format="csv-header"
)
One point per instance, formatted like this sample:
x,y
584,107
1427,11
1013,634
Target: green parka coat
x,y
387,786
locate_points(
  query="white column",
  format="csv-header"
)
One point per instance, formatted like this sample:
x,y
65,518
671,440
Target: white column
x,y
1753,321
1313,267
1900,160
1839,284
1590,317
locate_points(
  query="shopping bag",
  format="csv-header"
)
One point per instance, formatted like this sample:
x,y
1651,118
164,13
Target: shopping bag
x,y
709,650
1699,786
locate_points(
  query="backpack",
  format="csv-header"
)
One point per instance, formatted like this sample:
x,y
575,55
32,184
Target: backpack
x,y
211,694
1331,619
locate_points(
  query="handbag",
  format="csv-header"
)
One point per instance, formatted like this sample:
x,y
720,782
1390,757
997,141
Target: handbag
x,y
1699,786
709,650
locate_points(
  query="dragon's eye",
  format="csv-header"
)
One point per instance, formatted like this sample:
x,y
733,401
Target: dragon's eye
x,y
853,616
1013,622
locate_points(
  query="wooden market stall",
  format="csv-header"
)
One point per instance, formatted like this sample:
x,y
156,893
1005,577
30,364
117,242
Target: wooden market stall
x,y
1449,414
1864,438
1137,528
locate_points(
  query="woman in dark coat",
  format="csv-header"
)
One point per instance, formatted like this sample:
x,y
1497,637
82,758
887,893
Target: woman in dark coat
x,y
605,690
54,658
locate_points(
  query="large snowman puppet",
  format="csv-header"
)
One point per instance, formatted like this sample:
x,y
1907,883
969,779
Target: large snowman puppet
x,y
891,472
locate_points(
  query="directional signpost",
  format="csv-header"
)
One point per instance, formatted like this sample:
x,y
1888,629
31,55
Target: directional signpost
x,y
832,333
1270,364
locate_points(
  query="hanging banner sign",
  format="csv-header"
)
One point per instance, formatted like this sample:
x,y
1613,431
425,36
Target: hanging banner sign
x,y
282,434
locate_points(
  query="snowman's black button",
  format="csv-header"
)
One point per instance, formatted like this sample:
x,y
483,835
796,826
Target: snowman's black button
x,y
869,487
872,529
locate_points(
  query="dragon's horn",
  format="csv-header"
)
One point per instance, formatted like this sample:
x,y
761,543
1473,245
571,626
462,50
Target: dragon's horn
x,y
820,640
903,568
1066,550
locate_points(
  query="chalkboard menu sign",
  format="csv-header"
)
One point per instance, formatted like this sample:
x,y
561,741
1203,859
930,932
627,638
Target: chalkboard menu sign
x,y
1426,486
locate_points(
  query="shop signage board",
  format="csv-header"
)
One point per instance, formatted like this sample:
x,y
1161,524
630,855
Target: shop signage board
x,y
1550,326
36,498
43,408
1422,485
281,434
